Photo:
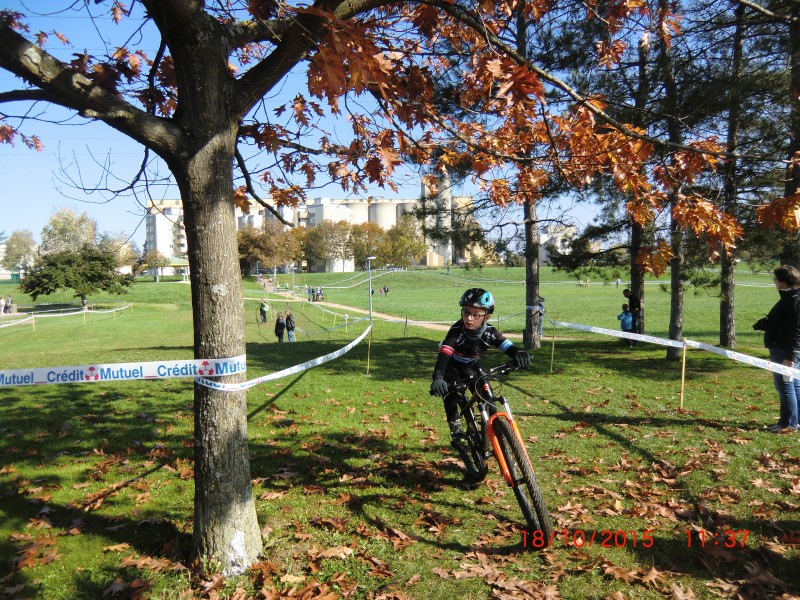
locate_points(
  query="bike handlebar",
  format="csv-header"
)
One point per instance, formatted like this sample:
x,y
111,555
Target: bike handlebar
x,y
503,369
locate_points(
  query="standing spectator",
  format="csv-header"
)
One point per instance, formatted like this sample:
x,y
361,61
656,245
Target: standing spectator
x,y
262,310
310,292
386,290
9,304
280,327
540,310
372,291
635,305
290,325
782,339
618,281
2,306
626,323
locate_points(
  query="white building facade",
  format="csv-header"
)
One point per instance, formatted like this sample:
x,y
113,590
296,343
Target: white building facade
x,y
165,231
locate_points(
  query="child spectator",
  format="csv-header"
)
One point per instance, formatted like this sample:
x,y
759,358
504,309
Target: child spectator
x,y
626,322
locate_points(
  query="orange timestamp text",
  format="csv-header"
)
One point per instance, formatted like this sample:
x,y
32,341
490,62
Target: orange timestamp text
x,y
579,538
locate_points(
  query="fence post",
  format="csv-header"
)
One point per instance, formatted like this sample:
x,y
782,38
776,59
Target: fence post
x,y
683,376
553,348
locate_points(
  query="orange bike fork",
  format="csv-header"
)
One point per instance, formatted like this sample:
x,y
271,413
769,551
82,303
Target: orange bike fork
x,y
498,454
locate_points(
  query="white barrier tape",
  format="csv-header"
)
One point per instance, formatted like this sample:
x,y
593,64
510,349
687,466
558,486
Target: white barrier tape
x,y
80,311
747,359
16,322
737,356
623,334
168,369
235,387
322,331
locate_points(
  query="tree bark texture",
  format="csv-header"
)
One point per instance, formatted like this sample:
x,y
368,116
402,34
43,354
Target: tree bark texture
x,y
225,525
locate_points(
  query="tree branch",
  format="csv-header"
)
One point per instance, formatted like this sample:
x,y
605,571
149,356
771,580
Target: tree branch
x,y
251,190
62,85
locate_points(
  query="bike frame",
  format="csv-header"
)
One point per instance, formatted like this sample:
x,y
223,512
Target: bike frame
x,y
488,420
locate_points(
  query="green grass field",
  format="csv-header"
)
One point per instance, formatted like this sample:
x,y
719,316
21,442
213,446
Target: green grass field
x,y
358,491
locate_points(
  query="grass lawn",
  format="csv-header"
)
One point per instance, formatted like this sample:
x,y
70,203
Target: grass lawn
x,y
358,491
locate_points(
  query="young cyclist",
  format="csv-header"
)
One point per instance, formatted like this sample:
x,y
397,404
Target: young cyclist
x,y
462,348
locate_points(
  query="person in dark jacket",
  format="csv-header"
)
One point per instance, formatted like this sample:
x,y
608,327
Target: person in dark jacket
x,y
464,344
290,325
280,327
782,339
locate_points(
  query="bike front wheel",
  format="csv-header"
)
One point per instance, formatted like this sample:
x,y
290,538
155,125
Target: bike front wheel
x,y
472,446
523,480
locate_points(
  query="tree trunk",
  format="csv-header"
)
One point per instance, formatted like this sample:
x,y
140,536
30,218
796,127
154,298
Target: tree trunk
x,y
677,235
789,252
638,236
530,334
531,338
225,525
727,315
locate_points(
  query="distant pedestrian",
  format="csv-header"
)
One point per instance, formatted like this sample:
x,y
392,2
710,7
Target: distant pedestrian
x,y
280,327
9,304
2,305
290,325
262,310
540,310
310,292
386,290
618,281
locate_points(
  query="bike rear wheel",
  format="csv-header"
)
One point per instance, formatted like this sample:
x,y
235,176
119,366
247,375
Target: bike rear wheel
x,y
472,446
523,480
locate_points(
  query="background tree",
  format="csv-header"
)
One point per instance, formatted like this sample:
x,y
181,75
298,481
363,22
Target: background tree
x,y
67,231
153,259
86,271
119,244
365,239
403,244
327,243
20,251
271,246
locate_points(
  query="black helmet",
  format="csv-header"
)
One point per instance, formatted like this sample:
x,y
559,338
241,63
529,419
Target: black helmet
x,y
479,298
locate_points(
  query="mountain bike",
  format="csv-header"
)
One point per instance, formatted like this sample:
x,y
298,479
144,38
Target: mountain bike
x,y
490,429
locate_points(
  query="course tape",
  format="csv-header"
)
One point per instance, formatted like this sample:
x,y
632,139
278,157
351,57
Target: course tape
x,y
747,359
235,387
15,322
167,369
737,356
622,334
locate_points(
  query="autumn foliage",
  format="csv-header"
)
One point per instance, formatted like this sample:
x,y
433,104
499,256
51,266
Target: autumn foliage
x,y
509,132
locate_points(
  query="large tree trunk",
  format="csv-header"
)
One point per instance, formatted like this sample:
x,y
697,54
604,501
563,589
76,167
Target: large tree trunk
x,y
727,315
225,525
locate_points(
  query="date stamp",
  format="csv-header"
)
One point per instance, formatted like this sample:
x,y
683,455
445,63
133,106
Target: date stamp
x,y
579,538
